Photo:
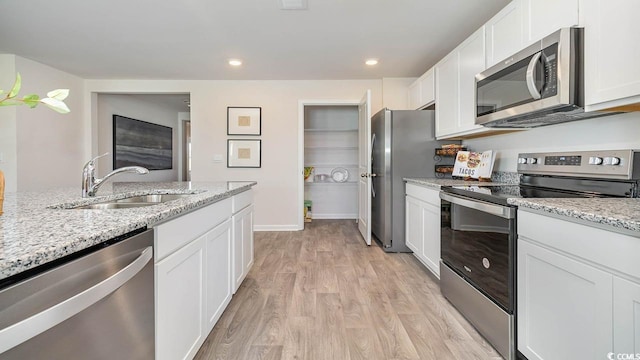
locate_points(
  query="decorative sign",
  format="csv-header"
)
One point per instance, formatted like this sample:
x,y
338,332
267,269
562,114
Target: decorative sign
x,y
474,165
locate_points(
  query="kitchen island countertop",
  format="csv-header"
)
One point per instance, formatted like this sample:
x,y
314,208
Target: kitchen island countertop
x,y
37,227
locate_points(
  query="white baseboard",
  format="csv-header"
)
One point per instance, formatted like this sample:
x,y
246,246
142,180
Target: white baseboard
x,y
276,228
334,216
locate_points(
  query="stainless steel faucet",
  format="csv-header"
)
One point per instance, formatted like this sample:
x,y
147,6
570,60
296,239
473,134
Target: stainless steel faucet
x,y
90,184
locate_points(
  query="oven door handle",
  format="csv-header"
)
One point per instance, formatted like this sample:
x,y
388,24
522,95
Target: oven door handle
x,y
493,209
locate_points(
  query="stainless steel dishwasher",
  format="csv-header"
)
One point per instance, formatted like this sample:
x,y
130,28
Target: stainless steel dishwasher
x,y
98,306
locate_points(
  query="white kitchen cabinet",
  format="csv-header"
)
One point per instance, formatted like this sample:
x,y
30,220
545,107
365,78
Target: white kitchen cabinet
x,y
194,271
331,143
543,17
504,33
422,91
564,306
611,53
242,245
422,225
180,291
218,287
455,88
578,289
626,316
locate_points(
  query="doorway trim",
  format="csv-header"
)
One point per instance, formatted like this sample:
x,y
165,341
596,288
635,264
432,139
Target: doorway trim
x,y
301,105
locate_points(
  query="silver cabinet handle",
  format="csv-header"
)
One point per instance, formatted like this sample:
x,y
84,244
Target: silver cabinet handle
x,y
45,320
501,211
531,72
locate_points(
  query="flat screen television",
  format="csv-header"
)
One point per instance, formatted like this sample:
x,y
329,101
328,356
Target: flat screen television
x,y
141,143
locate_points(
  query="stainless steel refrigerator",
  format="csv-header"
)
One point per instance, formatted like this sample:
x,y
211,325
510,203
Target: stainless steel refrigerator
x,y
403,146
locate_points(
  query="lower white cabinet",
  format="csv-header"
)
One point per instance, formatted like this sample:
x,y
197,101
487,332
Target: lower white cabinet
x,y
578,290
195,273
565,308
626,317
242,245
422,225
180,291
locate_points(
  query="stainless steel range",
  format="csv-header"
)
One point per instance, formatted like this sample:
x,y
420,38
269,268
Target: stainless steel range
x,y
478,234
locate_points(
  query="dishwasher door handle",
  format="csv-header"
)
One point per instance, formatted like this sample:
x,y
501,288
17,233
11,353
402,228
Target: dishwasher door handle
x,y
493,209
34,325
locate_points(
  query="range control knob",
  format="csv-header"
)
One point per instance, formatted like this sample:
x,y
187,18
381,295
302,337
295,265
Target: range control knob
x,y
522,160
611,160
595,160
532,161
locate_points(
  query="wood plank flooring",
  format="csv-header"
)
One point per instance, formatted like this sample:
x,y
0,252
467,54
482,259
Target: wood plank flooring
x,y
322,294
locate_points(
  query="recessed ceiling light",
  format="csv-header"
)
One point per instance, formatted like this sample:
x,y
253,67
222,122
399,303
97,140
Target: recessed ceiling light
x,y
371,62
235,62
294,4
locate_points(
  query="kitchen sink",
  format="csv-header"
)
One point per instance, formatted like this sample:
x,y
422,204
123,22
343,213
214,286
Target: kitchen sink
x,y
133,202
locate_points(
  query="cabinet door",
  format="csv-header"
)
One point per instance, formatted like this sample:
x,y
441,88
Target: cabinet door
x,y
565,307
179,302
447,95
431,237
504,33
414,95
626,317
413,225
427,88
611,53
218,273
242,223
471,57
543,17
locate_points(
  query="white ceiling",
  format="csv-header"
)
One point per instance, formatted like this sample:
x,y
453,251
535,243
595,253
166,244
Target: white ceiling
x,y
193,39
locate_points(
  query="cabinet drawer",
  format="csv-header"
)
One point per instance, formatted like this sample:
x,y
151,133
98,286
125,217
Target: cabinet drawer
x,y
430,196
241,201
605,248
173,234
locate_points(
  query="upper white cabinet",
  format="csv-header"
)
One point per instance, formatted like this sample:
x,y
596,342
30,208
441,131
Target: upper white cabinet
x,y
578,290
422,91
612,53
455,88
504,33
543,17
523,22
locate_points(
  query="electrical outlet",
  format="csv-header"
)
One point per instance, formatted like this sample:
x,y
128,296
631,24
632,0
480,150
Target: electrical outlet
x,y
217,158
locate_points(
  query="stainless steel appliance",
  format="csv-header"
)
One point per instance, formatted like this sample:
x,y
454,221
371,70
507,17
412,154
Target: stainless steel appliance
x,y
97,306
540,85
403,143
478,233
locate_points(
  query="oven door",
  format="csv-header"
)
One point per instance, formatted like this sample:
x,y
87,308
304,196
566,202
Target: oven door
x,y
478,243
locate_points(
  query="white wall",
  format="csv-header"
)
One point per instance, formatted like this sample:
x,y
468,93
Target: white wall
x,y
395,93
276,195
41,148
149,108
604,133
8,126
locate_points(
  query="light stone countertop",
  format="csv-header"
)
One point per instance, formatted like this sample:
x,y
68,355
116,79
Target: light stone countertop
x,y
619,215
436,183
36,227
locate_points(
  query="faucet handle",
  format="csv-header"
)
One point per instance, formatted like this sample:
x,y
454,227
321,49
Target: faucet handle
x,y
92,161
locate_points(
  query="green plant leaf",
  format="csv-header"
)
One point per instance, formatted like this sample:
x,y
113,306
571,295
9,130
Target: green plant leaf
x,y
9,103
16,87
58,94
31,100
56,105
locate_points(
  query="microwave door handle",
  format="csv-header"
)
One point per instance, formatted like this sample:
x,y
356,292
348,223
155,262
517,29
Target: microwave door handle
x,y
531,79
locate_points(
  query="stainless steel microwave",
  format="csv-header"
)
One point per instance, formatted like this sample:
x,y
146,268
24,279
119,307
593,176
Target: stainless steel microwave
x,y
539,85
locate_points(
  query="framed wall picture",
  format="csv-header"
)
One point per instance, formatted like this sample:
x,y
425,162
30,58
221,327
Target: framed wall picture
x,y
244,153
244,120
141,143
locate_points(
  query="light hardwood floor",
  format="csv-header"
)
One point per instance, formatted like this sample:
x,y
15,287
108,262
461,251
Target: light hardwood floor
x,y
322,293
